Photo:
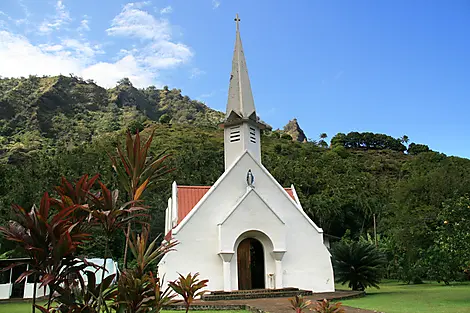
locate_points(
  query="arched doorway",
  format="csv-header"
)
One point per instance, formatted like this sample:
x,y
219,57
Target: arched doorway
x,y
250,263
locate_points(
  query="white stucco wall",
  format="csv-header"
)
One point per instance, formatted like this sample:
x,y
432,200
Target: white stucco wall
x,y
306,263
5,291
249,139
29,288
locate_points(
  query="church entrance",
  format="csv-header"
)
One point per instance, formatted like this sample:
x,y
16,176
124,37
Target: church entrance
x,y
250,261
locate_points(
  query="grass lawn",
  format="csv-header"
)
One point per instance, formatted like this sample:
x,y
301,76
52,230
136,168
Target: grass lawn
x,y
395,297
25,307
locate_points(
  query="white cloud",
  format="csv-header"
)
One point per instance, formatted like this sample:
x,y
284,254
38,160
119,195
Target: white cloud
x,y
207,95
137,5
215,4
107,74
18,57
61,17
133,22
161,52
84,24
141,60
166,10
195,72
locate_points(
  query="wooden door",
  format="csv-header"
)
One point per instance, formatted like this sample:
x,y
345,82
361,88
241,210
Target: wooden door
x,y
243,263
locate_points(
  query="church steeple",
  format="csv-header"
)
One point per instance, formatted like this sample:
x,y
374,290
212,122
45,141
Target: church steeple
x,y
241,124
240,98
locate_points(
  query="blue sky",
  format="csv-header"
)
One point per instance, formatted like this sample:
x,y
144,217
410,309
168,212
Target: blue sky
x,y
394,67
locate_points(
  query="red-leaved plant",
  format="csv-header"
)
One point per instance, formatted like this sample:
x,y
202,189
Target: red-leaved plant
x,y
137,171
189,288
50,239
325,306
299,304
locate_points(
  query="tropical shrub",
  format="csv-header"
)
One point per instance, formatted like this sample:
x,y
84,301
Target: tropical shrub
x,y
50,239
325,306
189,288
138,289
137,171
52,233
299,304
359,264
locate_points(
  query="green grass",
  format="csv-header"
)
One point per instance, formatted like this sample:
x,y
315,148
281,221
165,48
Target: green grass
x,y
25,307
395,297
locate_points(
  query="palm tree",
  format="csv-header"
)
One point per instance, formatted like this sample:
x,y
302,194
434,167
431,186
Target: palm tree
x,y
404,139
358,263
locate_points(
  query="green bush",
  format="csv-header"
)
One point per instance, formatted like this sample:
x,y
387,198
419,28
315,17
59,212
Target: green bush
x,y
358,263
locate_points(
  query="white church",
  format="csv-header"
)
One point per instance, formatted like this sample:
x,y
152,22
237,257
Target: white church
x,y
246,231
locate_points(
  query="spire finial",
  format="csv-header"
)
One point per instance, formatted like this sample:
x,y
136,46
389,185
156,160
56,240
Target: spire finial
x,y
237,19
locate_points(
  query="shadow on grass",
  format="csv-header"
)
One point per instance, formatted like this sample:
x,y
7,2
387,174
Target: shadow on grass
x,y
370,294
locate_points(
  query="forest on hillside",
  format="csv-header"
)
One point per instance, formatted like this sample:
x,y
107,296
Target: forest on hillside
x,y
53,127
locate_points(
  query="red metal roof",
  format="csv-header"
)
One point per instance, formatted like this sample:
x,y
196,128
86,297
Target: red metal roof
x,y
189,196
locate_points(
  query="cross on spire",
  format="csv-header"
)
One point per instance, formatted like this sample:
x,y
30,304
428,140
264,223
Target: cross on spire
x,y
237,19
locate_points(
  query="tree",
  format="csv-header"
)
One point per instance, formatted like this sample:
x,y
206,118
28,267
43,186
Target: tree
x,y
359,264
322,143
404,139
449,256
165,118
415,149
124,81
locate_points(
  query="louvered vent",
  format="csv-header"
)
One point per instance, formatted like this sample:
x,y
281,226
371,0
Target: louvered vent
x,y
252,135
235,134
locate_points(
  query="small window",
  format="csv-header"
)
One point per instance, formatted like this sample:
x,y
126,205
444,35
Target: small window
x,y
235,134
252,135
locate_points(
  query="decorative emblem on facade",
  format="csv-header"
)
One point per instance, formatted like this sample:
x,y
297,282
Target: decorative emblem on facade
x,y
250,179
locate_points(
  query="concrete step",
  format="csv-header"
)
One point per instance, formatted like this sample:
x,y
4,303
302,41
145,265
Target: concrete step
x,y
255,294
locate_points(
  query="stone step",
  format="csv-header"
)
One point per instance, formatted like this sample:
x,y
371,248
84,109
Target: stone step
x,y
255,294
219,292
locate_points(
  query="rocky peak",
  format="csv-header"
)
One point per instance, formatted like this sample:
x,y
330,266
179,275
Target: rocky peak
x,y
293,129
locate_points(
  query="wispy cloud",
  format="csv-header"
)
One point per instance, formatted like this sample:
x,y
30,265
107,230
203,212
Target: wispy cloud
x,y
133,22
166,10
25,9
150,47
60,18
339,74
19,57
161,51
215,4
195,72
207,95
84,24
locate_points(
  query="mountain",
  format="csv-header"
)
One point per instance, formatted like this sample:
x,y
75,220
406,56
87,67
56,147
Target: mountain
x,y
293,129
64,126
36,112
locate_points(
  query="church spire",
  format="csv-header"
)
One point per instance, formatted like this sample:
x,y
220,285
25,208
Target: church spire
x,y
240,102
241,125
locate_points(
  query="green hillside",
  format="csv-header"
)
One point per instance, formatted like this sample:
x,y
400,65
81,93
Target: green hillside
x,y
63,126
